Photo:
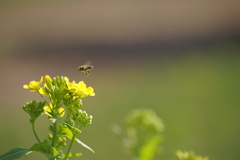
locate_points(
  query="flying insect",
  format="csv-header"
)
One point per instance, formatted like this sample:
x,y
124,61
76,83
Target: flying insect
x,y
85,68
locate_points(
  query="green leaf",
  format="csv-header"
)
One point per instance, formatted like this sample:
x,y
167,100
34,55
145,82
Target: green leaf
x,y
84,145
72,155
149,150
75,154
65,131
46,148
14,153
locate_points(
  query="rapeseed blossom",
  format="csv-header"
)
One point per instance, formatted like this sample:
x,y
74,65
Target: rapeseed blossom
x,y
60,91
34,85
80,89
50,86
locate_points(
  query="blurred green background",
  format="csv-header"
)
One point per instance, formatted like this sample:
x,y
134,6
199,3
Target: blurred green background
x,y
180,59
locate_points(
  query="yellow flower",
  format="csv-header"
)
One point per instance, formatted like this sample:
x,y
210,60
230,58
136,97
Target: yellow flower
x,y
50,108
80,89
48,80
43,92
72,86
89,91
34,85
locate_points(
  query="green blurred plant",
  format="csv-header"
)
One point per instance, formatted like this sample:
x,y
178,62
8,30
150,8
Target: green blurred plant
x,y
141,134
61,103
189,156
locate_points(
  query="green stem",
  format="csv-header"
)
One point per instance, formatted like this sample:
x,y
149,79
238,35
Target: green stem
x,y
54,134
35,133
70,147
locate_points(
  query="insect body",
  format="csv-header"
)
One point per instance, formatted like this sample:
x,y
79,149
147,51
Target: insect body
x,y
85,68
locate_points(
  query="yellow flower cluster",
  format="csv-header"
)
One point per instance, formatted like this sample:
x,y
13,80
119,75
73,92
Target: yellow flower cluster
x,y
79,89
53,87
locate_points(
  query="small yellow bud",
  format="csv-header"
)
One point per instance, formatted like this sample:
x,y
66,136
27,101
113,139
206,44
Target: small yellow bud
x,y
48,79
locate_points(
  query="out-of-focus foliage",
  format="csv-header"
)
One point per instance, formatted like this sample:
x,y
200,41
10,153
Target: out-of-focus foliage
x,y
141,133
189,156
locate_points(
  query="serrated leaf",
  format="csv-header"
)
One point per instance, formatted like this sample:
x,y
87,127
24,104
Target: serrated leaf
x,y
84,145
65,131
46,148
14,153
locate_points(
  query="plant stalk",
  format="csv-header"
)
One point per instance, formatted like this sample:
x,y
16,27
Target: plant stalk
x,y
35,133
54,134
70,147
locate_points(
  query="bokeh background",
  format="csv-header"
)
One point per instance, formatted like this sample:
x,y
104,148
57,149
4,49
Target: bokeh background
x,y
179,58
